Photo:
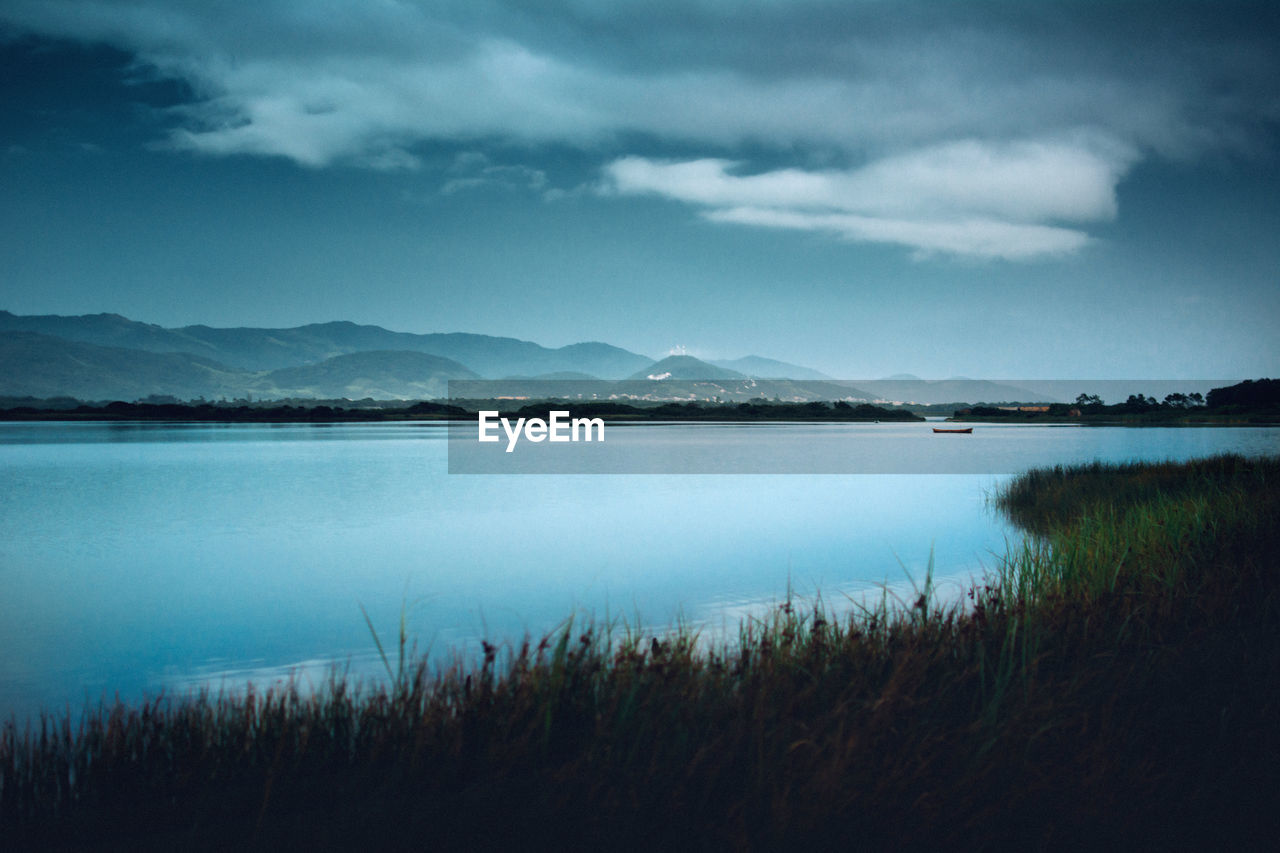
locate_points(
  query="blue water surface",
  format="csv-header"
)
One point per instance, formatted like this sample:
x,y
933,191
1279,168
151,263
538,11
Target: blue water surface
x,y
141,558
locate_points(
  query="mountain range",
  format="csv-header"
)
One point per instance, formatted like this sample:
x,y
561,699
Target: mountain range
x,y
107,356
270,349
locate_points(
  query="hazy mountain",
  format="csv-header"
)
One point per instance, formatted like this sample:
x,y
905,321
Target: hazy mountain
x,y
489,356
43,366
567,376
38,365
382,375
54,356
598,359
687,378
684,367
271,349
767,368
109,330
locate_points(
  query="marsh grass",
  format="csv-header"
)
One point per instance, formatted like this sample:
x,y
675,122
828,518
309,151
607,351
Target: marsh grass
x,y
1112,682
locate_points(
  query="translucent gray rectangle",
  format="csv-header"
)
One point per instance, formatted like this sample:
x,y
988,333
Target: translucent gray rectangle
x,y
653,427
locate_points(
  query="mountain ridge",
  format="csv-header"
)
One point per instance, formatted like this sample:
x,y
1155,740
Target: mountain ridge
x,y
758,367
684,368
380,374
258,349
103,356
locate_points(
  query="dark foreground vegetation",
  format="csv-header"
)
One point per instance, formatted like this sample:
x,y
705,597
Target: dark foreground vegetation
x,y
1116,686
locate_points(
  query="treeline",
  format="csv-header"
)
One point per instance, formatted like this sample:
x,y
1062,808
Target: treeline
x,y
1249,399
761,410
1257,394
1249,395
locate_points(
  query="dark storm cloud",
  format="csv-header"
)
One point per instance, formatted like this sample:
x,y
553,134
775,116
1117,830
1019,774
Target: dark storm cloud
x,y
870,99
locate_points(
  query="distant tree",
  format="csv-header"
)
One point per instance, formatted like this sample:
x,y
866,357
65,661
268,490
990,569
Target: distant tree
x,y
1249,393
1090,402
1138,403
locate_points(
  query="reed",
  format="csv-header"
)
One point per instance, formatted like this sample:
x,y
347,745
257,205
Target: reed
x,y
1112,682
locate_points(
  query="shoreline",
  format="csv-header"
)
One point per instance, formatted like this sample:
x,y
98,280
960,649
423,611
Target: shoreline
x,y
666,413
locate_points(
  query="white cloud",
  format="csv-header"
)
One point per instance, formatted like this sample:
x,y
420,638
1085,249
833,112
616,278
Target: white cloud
x,y
981,238
966,197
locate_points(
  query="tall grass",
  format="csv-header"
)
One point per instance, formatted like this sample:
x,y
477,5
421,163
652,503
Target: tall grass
x,y
1113,681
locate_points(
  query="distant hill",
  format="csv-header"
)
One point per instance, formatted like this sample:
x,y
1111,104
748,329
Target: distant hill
x,y
566,376
107,356
382,375
35,365
596,359
684,367
39,365
270,349
768,368
110,330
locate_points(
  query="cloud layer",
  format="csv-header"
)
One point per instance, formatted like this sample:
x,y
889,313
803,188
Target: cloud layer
x,y
967,128
967,197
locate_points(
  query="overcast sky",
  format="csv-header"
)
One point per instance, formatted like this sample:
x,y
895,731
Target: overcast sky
x,y
1000,189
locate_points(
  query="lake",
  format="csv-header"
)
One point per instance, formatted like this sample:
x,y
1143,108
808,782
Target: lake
x,y
140,558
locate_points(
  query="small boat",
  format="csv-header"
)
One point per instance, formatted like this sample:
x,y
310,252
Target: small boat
x,y
965,430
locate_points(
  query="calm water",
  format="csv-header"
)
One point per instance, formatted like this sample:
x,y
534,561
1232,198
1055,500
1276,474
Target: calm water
x,y
148,557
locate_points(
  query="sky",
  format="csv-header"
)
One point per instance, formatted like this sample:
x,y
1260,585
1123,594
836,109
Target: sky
x,y
1056,189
